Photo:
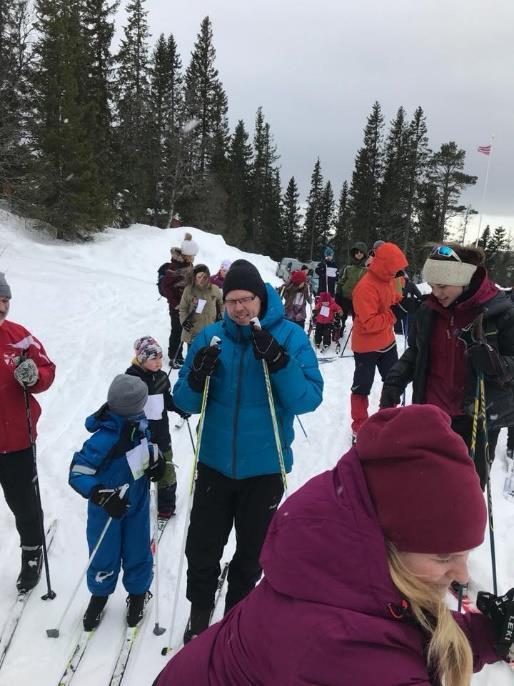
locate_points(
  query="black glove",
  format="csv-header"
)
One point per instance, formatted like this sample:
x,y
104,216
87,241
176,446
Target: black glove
x,y
187,325
204,364
181,413
500,610
156,463
109,499
390,396
265,347
485,359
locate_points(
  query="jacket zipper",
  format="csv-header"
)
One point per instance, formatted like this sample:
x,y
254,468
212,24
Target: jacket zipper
x,y
236,414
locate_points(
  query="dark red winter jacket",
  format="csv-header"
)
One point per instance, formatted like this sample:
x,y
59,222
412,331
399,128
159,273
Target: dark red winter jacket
x,y
175,280
15,342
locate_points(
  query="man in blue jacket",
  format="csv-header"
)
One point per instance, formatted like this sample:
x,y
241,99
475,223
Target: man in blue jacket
x,y
239,478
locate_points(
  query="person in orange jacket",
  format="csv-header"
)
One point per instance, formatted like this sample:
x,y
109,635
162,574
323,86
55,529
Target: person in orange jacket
x,y
326,310
373,339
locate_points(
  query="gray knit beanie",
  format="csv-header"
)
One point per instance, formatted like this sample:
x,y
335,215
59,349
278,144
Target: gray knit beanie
x,y
5,291
127,395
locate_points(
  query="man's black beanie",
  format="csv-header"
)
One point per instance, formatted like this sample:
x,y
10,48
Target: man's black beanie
x,y
243,276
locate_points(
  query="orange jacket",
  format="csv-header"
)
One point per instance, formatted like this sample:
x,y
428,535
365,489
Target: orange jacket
x,y
373,297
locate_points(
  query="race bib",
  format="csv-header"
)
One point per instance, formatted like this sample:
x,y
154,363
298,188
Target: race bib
x,y
138,459
325,311
154,406
298,299
331,272
200,305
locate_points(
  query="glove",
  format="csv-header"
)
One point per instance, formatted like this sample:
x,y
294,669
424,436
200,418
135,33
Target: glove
x,y
265,347
187,325
500,610
390,396
109,499
156,463
26,373
204,364
181,413
485,359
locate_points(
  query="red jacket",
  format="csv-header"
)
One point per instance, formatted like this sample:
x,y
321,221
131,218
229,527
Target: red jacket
x,y
175,280
326,300
373,297
16,341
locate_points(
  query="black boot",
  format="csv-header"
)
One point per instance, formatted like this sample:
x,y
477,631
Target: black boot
x,y
198,621
31,563
136,603
93,613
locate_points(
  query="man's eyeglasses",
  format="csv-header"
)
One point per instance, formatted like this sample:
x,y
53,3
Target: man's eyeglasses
x,y
445,251
230,302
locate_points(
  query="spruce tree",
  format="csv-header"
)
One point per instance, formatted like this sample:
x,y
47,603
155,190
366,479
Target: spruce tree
x,y
327,213
342,238
313,237
272,243
418,154
394,186
363,198
132,140
238,184
291,217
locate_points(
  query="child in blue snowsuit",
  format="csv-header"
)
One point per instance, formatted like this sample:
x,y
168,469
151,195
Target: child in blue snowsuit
x,y
117,455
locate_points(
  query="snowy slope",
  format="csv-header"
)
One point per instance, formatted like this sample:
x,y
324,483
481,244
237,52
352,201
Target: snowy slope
x,y
88,303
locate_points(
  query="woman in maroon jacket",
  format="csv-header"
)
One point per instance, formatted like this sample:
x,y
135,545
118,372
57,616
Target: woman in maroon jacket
x,y
357,563
23,365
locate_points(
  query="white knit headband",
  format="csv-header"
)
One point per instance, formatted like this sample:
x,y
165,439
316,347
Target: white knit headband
x,y
448,272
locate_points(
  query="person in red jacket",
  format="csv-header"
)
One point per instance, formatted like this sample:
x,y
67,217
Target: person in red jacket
x,y
24,367
373,339
326,310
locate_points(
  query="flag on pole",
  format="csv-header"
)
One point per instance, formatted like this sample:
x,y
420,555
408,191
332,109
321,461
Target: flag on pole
x,y
484,149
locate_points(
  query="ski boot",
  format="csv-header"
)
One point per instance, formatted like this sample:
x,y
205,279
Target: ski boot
x,y
31,563
94,611
198,621
136,603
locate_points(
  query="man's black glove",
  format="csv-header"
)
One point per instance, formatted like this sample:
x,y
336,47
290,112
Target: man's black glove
x,y
485,359
156,463
111,501
390,396
204,364
181,413
265,347
500,610
187,325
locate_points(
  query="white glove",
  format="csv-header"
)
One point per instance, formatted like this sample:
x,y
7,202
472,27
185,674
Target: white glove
x,y
26,373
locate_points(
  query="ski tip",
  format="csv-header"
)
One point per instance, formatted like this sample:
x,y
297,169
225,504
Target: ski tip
x,y
52,633
158,630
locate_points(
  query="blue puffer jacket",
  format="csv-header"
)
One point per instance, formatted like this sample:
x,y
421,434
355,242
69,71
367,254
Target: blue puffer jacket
x,y
238,438
103,457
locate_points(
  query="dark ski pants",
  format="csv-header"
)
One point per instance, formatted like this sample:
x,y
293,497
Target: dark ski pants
x,y
323,331
463,425
346,304
510,437
175,344
220,503
365,364
16,474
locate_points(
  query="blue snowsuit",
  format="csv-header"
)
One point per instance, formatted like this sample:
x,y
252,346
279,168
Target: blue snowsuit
x,y
238,438
103,461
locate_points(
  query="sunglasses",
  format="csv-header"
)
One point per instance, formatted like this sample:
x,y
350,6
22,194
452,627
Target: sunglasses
x,y
445,251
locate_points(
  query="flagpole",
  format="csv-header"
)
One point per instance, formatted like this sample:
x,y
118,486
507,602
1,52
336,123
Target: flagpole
x,y
484,191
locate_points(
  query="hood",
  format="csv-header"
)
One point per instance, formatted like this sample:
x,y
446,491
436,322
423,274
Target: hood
x,y
359,246
330,529
103,418
482,291
388,261
325,297
274,313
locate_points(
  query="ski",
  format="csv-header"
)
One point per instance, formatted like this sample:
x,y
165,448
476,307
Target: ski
x,y
326,360
219,587
16,611
131,633
76,657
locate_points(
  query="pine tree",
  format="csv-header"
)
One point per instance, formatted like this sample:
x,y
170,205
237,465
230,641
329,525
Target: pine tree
x,y
447,177
271,219
133,119
393,189
64,185
418,154
342,238
326,218
363,199
238,184
290,234
313,236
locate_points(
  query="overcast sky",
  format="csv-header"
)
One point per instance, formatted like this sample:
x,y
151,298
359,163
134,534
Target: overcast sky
x,y
316,67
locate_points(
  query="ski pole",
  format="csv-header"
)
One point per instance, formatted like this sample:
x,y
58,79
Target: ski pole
x,y
191,435
54,633
256,323
488,484
302,428
158,630
214,341
50,594
346,342
404,349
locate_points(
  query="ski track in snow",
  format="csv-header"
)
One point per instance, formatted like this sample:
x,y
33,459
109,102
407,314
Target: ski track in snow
x,y
87,304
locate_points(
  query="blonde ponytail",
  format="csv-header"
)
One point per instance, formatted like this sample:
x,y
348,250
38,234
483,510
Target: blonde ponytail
x,y
449,652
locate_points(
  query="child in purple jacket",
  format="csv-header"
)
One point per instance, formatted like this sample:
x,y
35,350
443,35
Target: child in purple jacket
x,y
357,565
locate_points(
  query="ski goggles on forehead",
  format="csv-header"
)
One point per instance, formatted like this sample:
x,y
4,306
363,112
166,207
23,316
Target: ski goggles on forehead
x,y
445,251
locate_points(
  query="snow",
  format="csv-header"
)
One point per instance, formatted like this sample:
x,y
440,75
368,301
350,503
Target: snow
x,y
88,303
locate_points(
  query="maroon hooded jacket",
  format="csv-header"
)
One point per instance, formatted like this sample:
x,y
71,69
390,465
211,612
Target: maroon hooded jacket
x,y
326,612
